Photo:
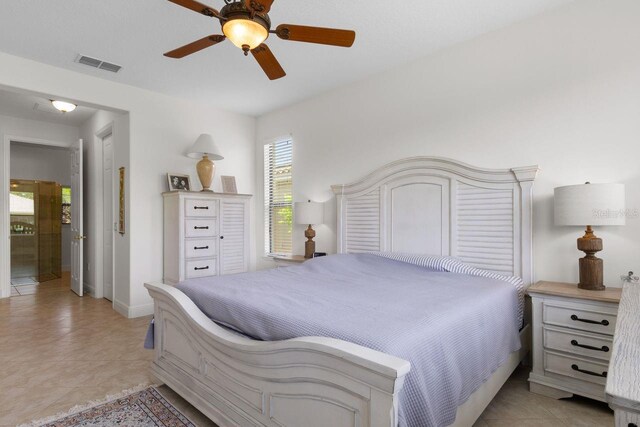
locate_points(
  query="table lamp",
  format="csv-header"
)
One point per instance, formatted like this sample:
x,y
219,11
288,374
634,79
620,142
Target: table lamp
x,y
206,148
309,213
590,204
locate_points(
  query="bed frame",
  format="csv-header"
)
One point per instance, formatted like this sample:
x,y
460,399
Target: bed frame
x,y
421,205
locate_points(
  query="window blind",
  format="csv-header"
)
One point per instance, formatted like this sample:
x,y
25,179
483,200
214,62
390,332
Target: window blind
x,y
278,190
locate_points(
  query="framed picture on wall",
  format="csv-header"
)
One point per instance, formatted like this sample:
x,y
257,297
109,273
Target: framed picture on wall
x,y
229,184
121,212
179,182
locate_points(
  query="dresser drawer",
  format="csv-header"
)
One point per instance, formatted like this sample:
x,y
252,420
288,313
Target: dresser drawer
x,y
579,343
200,268
200,248
200,208
581,317
575,367
200,228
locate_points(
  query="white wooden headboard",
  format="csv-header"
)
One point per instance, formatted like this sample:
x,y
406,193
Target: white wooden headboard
x,y
438,206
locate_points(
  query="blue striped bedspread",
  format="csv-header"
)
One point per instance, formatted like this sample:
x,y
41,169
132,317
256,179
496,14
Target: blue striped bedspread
x,y
455,324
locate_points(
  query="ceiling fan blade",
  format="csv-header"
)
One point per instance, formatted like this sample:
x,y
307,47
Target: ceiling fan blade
x,y
268,62
259,6
329,36
194,47
197,7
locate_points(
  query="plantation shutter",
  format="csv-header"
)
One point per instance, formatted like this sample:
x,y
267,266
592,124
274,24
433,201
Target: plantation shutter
x,y
278,197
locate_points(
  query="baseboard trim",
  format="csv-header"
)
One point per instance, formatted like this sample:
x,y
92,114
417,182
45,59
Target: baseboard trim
x,y
89,289
133,311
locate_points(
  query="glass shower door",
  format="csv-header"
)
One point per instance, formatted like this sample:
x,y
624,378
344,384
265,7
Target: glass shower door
x,y
24,245
36,208
49,211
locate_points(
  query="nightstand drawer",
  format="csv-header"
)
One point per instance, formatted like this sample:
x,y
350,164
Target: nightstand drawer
x,y
574,367
582,317
200,208
578,343
201,268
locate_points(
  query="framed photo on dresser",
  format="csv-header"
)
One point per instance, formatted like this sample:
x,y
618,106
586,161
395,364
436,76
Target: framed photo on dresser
x,y
229,185
179,182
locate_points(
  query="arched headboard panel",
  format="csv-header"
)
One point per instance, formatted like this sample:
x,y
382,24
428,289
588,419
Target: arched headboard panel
x,y
440,206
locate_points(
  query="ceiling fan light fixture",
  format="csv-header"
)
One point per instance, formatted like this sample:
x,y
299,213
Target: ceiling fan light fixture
x,y
63,107
245,33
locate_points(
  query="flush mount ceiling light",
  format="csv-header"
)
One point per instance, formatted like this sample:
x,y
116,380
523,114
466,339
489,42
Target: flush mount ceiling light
x,y
63,107
247,25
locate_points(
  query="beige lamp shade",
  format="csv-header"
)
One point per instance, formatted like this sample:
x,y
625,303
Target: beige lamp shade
x,y
589,204
205,146
309,213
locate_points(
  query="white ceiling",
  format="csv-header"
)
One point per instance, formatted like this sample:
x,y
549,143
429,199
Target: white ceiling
x,y
135,34
35,108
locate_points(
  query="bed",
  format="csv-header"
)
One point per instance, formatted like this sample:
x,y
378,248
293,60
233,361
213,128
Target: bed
x,y
417,205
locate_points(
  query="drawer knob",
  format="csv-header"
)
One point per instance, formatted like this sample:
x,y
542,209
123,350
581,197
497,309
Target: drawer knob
x,y
590,347
201,268
633,425
201,228
595,322
199,248
584,371
201,207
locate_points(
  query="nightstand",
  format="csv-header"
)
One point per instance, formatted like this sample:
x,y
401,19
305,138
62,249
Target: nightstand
x,y
289,260
572,339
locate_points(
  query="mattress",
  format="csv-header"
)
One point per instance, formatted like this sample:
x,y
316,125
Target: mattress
x,y
454,328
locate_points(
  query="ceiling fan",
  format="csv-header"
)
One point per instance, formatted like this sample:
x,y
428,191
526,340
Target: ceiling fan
x,y
247,24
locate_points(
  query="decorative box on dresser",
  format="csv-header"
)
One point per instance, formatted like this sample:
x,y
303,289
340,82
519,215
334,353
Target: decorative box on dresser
x,y
572,339
623,382
205,234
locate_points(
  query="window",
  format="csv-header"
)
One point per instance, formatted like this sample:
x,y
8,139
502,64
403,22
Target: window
x,y
278,216
66,205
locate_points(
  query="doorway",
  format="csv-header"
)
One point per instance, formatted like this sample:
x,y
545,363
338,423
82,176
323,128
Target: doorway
x,y
39,247
89,139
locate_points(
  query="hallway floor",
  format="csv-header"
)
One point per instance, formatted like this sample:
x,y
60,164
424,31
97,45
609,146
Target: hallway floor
x,y
58,350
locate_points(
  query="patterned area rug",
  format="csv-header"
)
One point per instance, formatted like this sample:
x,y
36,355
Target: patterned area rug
x,y
144,408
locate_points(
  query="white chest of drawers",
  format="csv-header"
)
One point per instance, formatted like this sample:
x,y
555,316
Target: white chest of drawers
x,y
572,339
205,234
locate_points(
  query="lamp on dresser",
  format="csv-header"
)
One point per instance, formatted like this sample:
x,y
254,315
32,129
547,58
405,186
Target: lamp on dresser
x,y
309,213
206,148
590,204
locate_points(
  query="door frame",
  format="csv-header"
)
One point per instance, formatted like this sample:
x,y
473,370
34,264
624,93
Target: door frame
x,y
108,129
5,216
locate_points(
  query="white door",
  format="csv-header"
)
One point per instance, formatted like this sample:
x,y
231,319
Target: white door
x,y
76,218
107,223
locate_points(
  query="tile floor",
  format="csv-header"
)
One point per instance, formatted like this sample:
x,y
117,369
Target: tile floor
x,y
58,350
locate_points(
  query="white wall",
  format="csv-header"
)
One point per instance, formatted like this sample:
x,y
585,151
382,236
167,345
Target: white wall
x,y
38,162
561,90
159,130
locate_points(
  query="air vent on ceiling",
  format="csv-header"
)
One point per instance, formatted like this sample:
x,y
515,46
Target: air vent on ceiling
x,y
98,63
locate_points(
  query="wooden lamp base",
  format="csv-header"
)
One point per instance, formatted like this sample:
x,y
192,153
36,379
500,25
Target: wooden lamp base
x,y
591,267
309,245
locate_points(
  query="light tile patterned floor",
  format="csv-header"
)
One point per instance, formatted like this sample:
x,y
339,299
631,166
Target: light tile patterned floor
x,y
58,350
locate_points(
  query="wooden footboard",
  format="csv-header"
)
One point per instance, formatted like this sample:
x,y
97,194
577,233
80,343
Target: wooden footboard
x,y
234,381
